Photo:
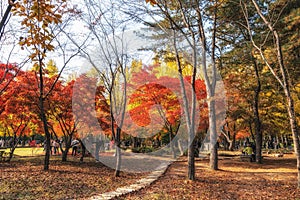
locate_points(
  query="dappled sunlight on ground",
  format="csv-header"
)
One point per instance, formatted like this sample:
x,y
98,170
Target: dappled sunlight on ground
x,y
276,178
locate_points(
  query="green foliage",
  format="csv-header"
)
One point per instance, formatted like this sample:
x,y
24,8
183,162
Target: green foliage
x,y
144,149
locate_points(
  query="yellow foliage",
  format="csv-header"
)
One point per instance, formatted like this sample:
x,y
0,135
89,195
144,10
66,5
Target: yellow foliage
x,y
51,68
36,18
168,66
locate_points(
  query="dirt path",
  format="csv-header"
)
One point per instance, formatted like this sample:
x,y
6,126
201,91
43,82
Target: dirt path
x,y
275,179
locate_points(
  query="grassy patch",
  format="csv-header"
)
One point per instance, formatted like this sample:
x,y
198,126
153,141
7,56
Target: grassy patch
x,y
29,151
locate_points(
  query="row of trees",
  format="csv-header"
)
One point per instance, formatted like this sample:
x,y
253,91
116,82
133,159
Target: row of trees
x,y
248,41
20,114
255,46
20,110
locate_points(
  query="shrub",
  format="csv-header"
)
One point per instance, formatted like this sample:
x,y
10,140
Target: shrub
x,y
142,149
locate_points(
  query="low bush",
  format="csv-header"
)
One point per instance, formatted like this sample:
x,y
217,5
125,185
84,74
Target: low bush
x,y
142,149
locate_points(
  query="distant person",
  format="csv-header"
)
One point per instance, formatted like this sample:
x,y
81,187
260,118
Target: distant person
x,y
112,144
32,143
51,147
249,151
55,146
74,145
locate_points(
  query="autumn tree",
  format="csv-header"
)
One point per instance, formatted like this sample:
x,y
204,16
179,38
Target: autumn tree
x,y
278,66
19,116
183,23
7,74
153,88
37,17
87,111
155,93
60,116
110,60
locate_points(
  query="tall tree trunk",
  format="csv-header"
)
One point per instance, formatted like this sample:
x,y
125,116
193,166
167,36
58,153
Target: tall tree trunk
x,y
257,123
97,148
284,82
43,116
65,154
118,152
210,82
189,114
295,130
191,156
251,132
12,148
171,142
180,147
48,136
234,137
66,151
83,150
213,162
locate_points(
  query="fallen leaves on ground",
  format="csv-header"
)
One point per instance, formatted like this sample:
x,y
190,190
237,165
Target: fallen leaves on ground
x,y
276,178
25,179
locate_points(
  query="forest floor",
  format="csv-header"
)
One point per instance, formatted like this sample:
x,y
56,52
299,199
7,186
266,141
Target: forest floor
x,y
24,178
276,178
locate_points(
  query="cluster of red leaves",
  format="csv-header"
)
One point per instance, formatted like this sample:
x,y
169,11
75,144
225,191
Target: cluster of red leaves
x,y
148,90
20,113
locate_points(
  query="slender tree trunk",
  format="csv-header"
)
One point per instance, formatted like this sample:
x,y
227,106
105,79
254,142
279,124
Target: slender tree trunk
x,y
189,114
11,151
43,115
48,137
294,127
234,137
14,146
290,102
65,154
213,163
191,156
118,152
257,123
229,143
97,149
230,146
180,147
284,82
171,142
5,17
83,150
66,151
251,131
134,141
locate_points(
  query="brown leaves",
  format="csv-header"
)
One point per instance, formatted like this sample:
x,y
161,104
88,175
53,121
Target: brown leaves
x,y
69,180
275,179
152,2
37,16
